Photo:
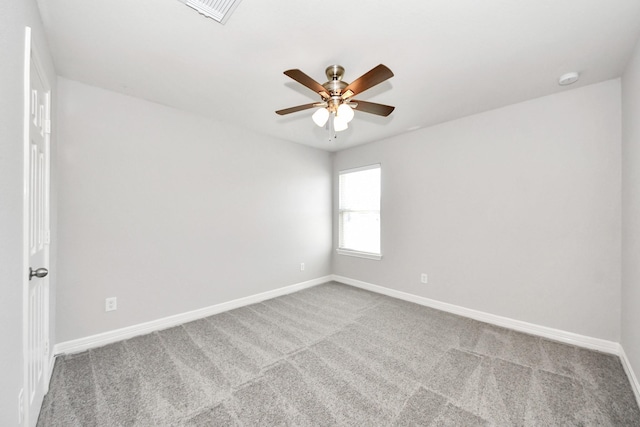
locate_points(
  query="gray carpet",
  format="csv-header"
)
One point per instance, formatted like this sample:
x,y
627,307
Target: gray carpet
x,y
335,355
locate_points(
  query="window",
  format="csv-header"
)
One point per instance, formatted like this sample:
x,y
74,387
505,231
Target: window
x,y
359,212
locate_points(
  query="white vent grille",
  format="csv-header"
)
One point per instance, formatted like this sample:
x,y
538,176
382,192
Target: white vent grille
x,y
220,10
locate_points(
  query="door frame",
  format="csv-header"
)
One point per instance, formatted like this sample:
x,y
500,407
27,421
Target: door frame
x,y
32,55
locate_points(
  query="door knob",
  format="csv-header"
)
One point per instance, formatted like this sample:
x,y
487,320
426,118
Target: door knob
x,y
40,272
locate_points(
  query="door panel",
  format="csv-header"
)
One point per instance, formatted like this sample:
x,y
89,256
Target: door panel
x,y
36,328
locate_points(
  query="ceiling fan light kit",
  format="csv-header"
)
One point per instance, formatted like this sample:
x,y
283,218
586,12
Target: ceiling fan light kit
x,y
337,96
339,124
345,111
321,116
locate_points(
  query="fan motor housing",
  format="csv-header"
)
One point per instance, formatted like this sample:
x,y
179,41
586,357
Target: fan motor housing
x,y
335,85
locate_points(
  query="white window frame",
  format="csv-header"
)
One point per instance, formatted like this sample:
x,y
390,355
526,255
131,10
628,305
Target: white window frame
x,y
351,252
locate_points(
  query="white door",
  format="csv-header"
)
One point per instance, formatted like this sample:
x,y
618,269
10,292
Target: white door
x,y
36,300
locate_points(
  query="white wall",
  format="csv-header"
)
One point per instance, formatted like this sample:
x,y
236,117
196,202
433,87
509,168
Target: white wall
x,y
171,212
631,211
14,16
514,212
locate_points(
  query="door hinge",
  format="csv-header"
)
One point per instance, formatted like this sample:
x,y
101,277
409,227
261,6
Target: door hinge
x,y
47,237
47,126
46,348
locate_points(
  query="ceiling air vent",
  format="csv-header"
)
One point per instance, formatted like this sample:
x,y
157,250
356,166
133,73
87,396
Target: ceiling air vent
x,y
220,10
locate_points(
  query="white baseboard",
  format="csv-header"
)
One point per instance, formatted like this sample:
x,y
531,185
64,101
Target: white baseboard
x,y
635,385
518,325
99,340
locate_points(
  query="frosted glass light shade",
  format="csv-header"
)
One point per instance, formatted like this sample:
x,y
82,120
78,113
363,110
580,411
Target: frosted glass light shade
x,y
321,116
345,113
339,124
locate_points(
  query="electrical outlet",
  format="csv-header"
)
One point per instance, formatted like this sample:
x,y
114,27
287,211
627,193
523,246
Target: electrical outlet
x,y
20,406
110,304
423,278
302,266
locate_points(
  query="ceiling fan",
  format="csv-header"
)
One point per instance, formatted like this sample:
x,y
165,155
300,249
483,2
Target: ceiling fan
x,y
337,96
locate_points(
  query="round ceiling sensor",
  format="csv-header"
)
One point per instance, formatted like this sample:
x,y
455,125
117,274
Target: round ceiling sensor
x,y
569,78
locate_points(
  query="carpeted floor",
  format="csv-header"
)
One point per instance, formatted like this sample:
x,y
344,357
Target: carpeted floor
x,y
336,355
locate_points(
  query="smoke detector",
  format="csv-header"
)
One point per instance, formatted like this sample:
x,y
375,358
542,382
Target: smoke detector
x,y
569,78
218,10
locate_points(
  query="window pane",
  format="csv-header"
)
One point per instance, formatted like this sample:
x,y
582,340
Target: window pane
x,y
361,231
359,207
360,190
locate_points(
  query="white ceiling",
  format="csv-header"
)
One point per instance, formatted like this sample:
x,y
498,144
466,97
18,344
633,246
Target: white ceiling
x,y
450,58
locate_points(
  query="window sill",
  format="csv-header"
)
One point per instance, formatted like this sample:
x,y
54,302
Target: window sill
x,y
367,255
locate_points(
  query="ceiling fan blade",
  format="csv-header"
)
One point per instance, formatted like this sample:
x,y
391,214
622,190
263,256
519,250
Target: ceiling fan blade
x,y
369,79
373,108
297,108
307,81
